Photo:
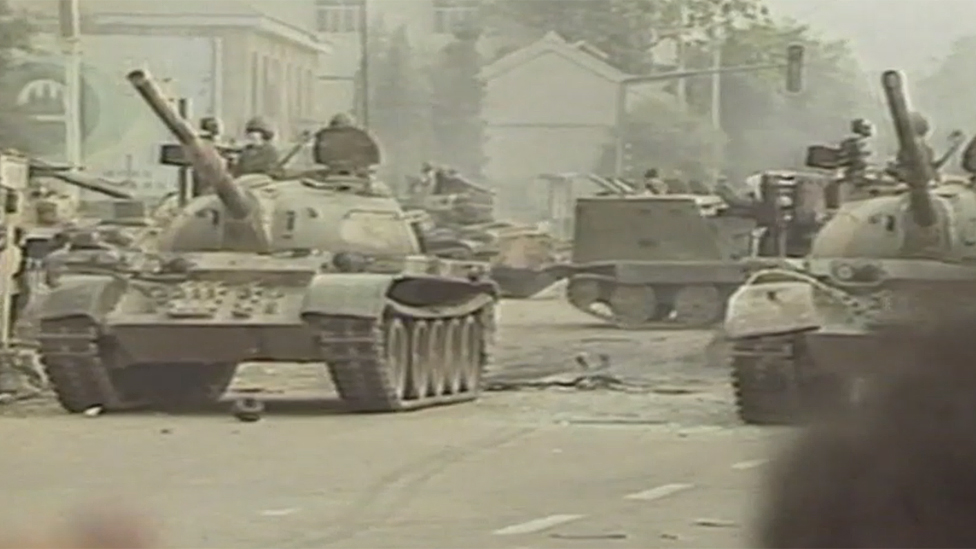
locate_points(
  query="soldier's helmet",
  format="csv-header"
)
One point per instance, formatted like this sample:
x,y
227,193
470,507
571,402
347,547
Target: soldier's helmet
x,y
920,124
341,120
210,125
259,125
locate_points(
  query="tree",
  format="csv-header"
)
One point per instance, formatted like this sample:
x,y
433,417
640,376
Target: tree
x,y
768,127
625,30
400,112
943,95
16,32
459,94
659,134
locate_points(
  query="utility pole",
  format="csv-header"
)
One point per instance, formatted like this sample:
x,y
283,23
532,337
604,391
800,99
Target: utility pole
x,y
364,61
70,26
716,110
680,53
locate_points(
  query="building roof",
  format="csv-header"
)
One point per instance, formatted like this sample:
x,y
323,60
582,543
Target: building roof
x,y
210,13
554,44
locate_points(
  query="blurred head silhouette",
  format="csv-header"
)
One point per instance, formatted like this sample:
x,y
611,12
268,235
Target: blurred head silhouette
x,y
897,471
105,528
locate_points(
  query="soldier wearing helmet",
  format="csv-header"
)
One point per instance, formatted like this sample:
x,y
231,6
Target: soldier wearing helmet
x,y
920,127
259,154
341,120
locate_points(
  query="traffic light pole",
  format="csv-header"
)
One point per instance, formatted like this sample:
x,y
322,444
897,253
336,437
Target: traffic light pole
x,y
794,71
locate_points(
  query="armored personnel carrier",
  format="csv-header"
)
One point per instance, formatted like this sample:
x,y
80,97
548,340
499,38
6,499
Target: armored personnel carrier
x,y
671,260
805,336
459,222
318,268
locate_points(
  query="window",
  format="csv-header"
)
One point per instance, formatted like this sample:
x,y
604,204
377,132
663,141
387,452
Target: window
x,y
338,16
450,14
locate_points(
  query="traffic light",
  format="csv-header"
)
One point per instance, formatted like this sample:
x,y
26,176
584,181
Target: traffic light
x,y
794,68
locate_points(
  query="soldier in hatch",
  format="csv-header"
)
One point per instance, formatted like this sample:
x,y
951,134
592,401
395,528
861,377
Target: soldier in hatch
x,y
342,120
259,155
653,184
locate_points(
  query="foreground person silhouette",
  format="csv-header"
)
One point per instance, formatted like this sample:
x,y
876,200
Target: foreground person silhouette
x,y
899,471
102,529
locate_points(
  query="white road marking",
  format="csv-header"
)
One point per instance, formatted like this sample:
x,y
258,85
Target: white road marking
x,y
660,492
751,464
536,525
278,512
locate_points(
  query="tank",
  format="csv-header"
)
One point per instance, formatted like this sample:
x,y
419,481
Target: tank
x,y
672,260
810,335
459,222
320,268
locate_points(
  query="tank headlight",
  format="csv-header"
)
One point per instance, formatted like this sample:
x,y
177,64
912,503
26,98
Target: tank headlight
x,y
867,273
349,262
843,271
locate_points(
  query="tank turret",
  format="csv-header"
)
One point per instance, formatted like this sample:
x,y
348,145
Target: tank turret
x,y
206,162
238,203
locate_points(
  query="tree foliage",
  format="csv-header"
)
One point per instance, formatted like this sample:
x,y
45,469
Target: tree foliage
x,y
16,32
770,128
766,128
659,134
458,101
626,30
944,94
401,110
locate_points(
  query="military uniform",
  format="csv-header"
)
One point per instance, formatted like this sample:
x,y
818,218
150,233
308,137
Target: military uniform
x,y
920,126
257,157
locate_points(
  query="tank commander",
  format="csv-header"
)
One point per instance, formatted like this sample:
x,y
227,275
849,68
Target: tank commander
x,y
259,155
653,184
341,120
422,185
920,127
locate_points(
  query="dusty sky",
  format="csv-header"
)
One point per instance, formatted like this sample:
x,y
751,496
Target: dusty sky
x,y
897,34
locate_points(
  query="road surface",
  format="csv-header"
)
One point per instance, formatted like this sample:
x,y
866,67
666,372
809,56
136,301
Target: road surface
x,y
654,459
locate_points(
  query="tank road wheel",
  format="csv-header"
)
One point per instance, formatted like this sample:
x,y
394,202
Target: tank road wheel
x,y
583,293
419,361
437,358
398,358
698,306
453,360
633,305
471,353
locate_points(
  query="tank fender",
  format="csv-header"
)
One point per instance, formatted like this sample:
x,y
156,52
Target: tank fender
x,y
433,296
91,296
367,295
769,308
358,294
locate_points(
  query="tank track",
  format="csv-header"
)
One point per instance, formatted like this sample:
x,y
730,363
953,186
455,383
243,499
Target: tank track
x,y
764,380
437,369
74,366
70,355
654,309
775,382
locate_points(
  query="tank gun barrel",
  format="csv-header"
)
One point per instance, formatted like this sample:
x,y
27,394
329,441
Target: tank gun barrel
x,y
92,184
206,162
918,168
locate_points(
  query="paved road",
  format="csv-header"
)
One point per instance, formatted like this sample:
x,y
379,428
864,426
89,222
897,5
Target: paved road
x,y
442,478
522,469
